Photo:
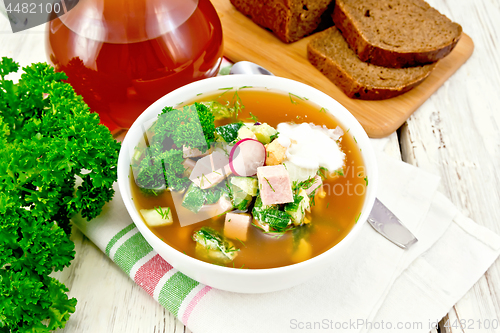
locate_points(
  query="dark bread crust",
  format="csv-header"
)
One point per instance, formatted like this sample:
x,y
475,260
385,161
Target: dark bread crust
x,y
368,51
289,20
348,78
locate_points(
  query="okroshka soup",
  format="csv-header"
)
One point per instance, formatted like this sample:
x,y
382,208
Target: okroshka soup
x,y
248,177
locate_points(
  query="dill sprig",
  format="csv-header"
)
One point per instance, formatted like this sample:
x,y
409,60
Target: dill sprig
x,y
253,117
163,213
293,95
269,183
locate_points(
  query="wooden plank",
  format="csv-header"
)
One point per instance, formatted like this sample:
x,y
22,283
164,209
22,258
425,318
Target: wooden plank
x,y
244,40
455,134
470,186
392,148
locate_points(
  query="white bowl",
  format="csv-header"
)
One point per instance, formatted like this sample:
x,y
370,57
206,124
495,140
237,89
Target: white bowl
x,y
246,280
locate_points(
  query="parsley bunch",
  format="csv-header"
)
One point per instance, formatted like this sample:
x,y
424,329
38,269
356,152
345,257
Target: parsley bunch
x,y
48,140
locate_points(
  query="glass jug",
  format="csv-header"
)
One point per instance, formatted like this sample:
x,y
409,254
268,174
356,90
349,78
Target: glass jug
x,y
122,55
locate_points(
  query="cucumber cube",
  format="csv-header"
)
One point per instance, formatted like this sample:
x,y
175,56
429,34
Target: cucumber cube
x,y
297,209
263,132
157,217
249,185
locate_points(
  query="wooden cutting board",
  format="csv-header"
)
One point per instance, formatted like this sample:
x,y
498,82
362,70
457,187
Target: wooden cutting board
x,y
244,40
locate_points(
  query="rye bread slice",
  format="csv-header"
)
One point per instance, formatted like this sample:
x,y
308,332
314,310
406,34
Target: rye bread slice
x,y
289,20
396,33
329,52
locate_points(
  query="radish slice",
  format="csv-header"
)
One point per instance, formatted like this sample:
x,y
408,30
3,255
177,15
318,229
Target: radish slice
x,y
246,156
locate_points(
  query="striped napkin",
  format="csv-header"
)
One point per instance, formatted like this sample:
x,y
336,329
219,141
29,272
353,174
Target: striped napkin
x,y
116,235
375,284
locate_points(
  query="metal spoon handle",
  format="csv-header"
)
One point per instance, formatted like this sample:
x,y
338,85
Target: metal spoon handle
x,y
247,67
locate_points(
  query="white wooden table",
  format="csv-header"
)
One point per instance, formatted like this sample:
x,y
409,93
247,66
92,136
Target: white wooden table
x,y
455,134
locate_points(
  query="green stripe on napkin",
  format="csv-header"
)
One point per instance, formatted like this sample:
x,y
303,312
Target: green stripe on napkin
x,y
175,291
130,252
118,236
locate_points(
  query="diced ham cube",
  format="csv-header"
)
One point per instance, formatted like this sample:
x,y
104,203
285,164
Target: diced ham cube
x,y
220,207
189,165
317,183
274,184
224,204
236,226
210,170
193,152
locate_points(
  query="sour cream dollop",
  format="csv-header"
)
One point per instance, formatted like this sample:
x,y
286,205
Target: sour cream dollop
x,y
311,146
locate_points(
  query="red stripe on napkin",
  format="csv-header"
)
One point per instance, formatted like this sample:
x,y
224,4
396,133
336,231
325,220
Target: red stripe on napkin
x,y
151,272
193,303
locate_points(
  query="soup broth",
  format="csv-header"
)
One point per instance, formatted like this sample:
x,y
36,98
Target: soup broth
x,y
336,207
